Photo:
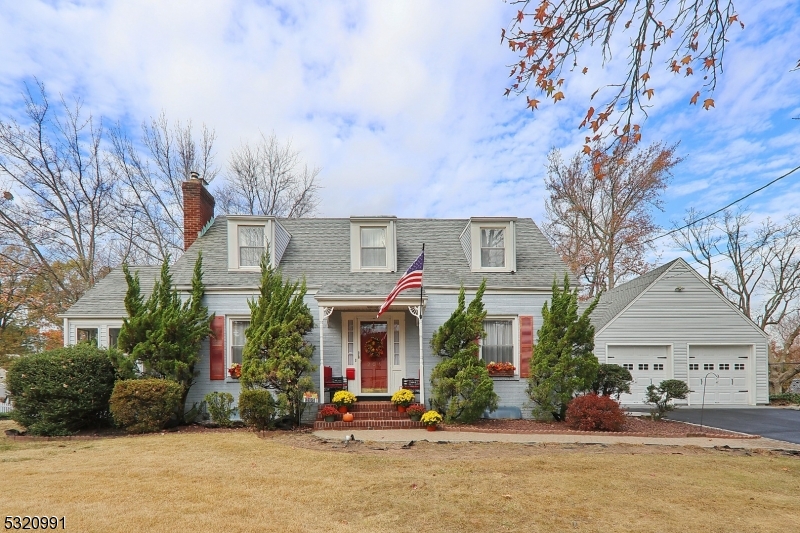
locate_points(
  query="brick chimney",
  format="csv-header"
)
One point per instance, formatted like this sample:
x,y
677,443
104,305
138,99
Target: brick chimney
x,y
198,208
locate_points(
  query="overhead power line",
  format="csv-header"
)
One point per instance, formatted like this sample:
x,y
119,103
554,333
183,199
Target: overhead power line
x,y
693,222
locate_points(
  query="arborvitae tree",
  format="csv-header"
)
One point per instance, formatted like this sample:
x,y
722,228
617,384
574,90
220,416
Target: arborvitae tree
x,y
563,362
163,333
275,355
461,387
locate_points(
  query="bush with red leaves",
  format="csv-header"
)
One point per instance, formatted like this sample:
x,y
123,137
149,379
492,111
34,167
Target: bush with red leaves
x,y
593,412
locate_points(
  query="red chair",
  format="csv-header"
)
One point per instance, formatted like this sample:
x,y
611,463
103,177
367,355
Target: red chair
x,y
333,383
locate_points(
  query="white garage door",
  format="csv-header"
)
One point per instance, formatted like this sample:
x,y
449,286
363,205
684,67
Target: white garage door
x,y
725,372
648,365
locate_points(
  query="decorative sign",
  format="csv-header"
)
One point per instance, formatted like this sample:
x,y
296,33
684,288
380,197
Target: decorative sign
x,y
311,397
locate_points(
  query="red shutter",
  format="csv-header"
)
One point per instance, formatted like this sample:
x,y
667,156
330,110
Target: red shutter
x,y
525,345
216,349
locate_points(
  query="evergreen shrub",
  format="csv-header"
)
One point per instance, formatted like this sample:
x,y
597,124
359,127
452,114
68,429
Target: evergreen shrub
x,y
61,391
220,407
145,405
595,413
257,408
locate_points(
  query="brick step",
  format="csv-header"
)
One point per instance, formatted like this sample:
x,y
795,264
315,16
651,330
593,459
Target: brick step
x,y
375,415
361,407
369,424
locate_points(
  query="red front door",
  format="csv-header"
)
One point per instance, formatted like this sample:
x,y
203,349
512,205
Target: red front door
x,y
374,358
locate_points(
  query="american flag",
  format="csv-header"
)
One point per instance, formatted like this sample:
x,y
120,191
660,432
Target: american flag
x,y
412,279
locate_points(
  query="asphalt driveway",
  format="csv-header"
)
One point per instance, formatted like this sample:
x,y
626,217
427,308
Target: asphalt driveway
x,y
772,422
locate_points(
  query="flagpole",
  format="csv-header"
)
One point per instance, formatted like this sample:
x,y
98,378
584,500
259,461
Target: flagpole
x,y
421,362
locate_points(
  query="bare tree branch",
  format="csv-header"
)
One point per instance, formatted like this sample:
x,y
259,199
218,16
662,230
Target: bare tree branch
x,y
268,178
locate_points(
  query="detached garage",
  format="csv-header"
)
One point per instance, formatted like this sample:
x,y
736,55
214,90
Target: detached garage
x,y
671,324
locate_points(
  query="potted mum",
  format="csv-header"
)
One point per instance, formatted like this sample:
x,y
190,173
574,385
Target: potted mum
x,y
431,419
343,399
415,411
328,413
235,371
402,399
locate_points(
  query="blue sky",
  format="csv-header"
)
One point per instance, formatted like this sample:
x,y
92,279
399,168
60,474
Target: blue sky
x,y
401,103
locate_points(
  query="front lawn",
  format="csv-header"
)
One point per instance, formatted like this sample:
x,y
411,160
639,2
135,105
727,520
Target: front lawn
x,y
234,480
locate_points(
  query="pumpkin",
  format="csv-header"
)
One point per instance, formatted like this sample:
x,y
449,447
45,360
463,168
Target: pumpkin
x,y
347,417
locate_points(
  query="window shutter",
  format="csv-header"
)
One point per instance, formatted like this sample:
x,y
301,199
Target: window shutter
x,y
217,348
525,345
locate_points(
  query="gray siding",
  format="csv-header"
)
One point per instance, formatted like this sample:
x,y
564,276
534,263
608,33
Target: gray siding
x,y
440,306
694,316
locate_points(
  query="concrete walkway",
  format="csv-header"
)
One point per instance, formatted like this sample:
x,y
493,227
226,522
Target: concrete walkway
x,y
406,435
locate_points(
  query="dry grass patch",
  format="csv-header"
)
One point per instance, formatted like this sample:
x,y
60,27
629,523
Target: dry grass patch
x,y
236,481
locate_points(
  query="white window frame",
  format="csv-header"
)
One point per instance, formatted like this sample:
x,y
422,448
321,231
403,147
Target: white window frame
x,y
509,240
514,337
229,336
388,223
233,240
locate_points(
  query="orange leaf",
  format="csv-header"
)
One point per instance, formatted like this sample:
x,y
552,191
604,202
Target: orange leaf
x,y
694,98
733,19
589,113
709,102
708,63
520,16
649,93
533,103
558,96
676,67
585,70
686,60
586,149
541,13
669,32
641,47
637,137
689,71
645,76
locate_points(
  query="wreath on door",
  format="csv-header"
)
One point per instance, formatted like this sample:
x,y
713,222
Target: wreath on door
x,y
373,348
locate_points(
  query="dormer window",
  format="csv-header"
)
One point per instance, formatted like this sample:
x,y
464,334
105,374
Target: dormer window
x,y
249,236
372,244
489,244
373,247
493,249
251,245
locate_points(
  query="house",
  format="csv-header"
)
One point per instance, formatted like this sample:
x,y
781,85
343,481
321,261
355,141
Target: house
x,y
670,323
350,265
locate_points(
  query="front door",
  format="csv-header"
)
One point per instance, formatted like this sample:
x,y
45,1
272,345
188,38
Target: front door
x,y
373,352
374,357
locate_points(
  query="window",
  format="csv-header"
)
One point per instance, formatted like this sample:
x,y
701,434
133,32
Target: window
x,y
643,366
738,366
373,244
658,366
489,244
373,247
708,366
251,245
113,337
87,335
238,338
724,366
493,249
498,345
694,366
627,366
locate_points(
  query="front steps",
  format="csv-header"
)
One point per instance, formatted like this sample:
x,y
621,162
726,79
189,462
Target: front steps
x,y
371,415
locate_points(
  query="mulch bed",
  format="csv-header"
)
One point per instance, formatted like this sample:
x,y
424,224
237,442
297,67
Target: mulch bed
x,y
634,427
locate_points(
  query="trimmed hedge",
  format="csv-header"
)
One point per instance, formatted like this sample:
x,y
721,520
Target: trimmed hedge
x,y
145,405
593,413
257,408
61,391
786,398
220,407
